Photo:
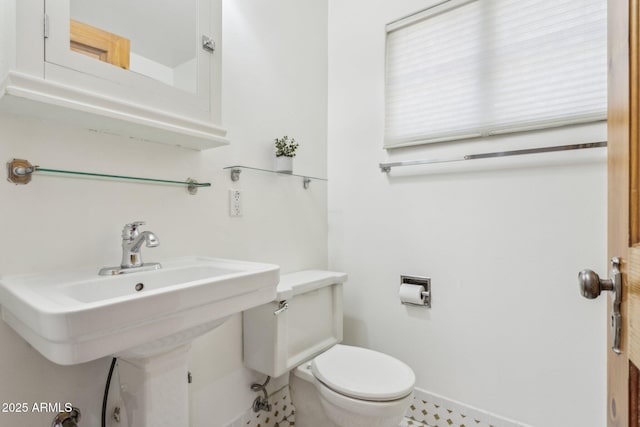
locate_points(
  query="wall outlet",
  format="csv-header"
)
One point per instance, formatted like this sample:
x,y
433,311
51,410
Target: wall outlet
x,y
235,203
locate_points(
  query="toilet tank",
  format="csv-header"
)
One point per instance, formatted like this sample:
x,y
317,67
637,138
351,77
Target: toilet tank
x,y
277,339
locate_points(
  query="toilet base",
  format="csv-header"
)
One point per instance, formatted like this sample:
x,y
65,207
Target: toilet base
x,y
309,410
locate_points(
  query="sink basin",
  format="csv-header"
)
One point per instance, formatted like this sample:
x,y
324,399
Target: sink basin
x,y
79,316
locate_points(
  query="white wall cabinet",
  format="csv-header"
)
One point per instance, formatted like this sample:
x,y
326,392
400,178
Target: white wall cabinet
x,y
167,90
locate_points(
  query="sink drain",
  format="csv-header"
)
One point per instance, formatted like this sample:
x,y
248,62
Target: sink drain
x,y
139,286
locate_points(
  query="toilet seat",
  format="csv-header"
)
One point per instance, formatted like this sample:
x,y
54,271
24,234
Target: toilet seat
x,y
363,374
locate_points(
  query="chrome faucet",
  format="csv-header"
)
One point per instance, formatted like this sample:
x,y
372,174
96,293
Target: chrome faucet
x,y
132,240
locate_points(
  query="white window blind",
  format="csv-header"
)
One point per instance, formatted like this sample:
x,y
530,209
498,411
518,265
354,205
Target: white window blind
x,y
465,69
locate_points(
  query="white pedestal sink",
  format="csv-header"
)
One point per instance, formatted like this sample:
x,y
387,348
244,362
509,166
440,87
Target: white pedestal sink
x,y
148,319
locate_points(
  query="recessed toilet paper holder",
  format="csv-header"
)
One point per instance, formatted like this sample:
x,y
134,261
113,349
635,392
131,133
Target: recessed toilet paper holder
x,y
425,294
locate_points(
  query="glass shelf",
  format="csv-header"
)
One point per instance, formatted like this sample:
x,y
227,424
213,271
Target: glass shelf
x,y
306,179
20,172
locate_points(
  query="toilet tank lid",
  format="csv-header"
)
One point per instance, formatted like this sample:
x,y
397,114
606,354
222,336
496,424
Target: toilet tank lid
x,y
304,281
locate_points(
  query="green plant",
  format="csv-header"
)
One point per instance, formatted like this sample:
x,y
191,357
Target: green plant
x,y
286,147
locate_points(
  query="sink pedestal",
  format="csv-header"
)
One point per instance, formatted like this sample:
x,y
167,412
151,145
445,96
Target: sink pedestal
x,y
155,389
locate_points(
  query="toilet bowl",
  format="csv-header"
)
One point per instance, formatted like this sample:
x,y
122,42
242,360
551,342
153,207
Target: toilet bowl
x,y
351,387
332,385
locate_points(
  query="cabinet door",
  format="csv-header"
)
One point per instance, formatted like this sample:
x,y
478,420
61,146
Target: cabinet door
x,y
146,52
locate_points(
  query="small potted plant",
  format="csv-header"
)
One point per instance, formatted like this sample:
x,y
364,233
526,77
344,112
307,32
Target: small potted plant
x,y
285,152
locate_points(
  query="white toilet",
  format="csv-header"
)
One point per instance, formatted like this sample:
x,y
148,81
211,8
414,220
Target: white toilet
x,y
332,384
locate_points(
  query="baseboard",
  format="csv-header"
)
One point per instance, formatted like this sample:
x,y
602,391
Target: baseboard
x,y
432,410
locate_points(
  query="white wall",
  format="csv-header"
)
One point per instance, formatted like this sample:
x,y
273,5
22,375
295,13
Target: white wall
x,y
7,20
502,240
274,83
145,66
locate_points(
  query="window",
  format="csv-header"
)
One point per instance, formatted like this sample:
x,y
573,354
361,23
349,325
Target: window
x,y
465,69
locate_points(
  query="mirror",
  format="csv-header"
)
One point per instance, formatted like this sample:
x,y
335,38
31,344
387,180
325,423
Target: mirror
x,y
156,38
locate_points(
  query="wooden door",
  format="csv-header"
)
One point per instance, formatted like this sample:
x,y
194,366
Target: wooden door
x,y
99,44
624,207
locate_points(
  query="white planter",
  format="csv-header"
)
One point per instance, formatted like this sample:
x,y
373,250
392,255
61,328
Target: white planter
x,y
284,164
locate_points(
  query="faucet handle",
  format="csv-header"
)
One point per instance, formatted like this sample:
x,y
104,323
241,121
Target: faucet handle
x,y
131,230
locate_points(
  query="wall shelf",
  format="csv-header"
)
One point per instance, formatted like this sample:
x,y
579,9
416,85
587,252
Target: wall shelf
x,y
20,171
35,97
234,173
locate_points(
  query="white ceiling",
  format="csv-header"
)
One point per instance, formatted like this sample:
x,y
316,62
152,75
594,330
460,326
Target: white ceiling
x,y
161,30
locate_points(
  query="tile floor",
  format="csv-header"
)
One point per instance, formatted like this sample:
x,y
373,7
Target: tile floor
x,y
421,413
